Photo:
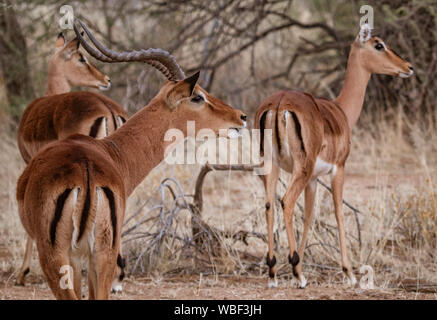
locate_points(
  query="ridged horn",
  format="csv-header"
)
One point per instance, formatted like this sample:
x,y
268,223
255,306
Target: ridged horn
x,y
158,58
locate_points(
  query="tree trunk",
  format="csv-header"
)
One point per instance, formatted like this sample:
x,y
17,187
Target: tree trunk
x,y
13,61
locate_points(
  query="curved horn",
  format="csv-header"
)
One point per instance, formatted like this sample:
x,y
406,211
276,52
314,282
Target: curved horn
x,y
158,58
96,54
99,56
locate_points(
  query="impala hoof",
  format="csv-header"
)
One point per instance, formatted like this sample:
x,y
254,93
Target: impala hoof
x,y
19,283
273,283
302,282
351,281
20,279
117,289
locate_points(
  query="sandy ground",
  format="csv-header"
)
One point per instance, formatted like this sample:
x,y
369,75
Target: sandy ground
x,y
212,288
219,288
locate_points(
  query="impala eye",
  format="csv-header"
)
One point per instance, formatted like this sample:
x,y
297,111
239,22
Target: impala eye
x,y
379,47
197,99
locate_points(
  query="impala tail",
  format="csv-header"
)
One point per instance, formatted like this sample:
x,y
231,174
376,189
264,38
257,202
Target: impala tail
x,y
74,225
282,113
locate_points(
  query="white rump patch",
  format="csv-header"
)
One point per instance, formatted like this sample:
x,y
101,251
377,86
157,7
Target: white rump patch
x,y
323,168
365,33
287,130
92,237
104,128
120,121
75,223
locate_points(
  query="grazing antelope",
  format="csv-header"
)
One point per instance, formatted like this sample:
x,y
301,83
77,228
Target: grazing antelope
x,y
61,113
72,195
312,137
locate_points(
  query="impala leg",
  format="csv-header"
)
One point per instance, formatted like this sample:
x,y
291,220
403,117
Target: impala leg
x,y
58,273
105,270
117,286
298,183
25,267
92,279
270,182
77,279
337,193
310,196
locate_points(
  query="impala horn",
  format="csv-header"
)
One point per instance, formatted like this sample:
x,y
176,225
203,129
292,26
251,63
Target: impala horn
x,y
158,58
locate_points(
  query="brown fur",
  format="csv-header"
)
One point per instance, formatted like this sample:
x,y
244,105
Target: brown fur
x,y
319,129
61,113
68,67
56,117
119,162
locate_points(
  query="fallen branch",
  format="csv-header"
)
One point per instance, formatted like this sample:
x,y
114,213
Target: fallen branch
x,y
198,194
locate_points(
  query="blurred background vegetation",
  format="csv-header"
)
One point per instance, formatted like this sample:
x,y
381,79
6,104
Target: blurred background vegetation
x,y
246,49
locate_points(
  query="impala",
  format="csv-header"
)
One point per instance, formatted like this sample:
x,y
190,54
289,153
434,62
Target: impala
x,y
312,137
72,195
61,113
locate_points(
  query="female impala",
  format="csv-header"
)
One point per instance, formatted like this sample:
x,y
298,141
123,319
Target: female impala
x,y
61,112
311,138
72,195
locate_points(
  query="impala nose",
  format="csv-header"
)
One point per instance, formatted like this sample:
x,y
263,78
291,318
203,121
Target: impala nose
x,y
243,117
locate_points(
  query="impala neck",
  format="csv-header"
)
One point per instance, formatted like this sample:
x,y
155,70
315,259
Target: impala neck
x,y
56,82
138,146
351,97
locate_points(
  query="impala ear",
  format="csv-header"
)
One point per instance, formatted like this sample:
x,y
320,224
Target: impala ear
x,y
60,42
365,33
183,89
71,48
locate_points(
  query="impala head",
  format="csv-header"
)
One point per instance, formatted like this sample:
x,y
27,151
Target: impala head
x,y
181,95
187,101
377,57
74,67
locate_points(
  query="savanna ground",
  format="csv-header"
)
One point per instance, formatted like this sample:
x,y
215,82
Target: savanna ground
x,y
264,46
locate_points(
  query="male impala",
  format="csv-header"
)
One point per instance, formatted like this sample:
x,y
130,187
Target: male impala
x,y
61,113
73,193
311,138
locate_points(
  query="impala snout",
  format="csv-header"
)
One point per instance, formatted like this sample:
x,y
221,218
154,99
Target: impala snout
x,y
106,84
407,74
235,132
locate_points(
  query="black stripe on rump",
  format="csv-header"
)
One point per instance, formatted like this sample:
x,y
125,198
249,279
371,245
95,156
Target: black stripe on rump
x,y
58,213
112,113
110,195
298,130
95,127
262,126
86,206
114,121
278,138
